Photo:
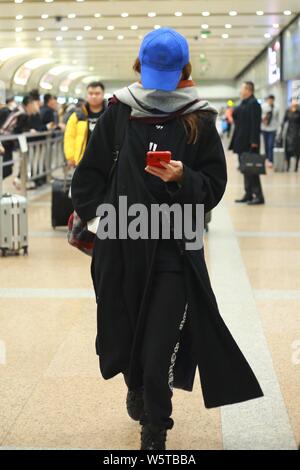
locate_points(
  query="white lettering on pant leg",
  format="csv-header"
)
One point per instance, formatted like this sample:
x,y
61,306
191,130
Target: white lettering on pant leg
x,y
173,357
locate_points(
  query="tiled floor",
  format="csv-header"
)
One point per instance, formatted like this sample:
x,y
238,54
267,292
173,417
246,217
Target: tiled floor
x,y
52,395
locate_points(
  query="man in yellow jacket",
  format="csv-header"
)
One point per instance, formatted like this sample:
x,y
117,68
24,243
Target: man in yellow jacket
x,y
81,123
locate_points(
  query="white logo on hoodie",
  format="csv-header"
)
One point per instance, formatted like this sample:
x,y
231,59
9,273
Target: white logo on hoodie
x,y
152,146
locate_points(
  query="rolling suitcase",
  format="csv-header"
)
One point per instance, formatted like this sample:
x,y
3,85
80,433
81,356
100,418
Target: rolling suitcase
x,y
279,159
61,202
13,222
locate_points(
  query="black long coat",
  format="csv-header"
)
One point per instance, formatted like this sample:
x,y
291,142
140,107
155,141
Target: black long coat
x,y
292,138
247,121
122,269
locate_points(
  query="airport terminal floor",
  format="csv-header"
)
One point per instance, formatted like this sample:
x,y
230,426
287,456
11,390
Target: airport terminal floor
x,y
54,396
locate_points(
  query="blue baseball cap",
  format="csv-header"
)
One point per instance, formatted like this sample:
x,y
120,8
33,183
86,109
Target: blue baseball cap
x,y
163,54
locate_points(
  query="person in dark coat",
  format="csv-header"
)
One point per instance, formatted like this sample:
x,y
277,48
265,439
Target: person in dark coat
x,y
48,112
7,147
157,315
292,135
246,138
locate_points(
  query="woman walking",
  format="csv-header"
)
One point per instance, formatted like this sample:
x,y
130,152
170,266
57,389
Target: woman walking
x,y
158,319
292,135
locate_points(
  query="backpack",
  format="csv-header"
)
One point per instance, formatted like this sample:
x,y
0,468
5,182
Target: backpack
x,y
11,121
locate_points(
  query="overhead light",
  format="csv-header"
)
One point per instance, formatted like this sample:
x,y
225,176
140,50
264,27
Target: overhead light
x,y
41,28
18,1
19,29
205,13
19,17
260,12
157,26
38,38
44,16
100,37
79,1
204,26
228,26
79,38
178,13
124,14
134,26
120,36
87,28
225,36
267,35
110,27
71,15
97,15
287,12
151,14
275,25
64,28
48,1
59,38
233,13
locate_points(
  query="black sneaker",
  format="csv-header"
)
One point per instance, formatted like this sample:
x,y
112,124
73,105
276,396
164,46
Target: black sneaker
x,y
245,199
153,437
256,201
135,403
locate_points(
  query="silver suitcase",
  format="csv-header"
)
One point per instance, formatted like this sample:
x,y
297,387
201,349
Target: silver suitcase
x,y
13,222
278,159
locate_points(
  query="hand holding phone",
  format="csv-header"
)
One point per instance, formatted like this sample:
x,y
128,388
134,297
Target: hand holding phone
x,y
154,158
160,164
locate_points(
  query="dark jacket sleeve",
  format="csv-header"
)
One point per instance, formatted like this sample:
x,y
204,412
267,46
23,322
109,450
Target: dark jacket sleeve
x,y
22,124
90,177
206,182
255,116
47,116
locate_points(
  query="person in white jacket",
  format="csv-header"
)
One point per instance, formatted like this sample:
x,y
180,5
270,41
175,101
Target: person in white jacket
x,y
269,126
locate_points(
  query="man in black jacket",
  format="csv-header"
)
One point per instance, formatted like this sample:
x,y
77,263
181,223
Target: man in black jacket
x,y
246,138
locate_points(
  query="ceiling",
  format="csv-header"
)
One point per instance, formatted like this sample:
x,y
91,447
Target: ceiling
x,y
85,45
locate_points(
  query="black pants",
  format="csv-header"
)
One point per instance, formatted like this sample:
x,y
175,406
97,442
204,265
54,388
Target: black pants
x,y
166,318
288,156
252,186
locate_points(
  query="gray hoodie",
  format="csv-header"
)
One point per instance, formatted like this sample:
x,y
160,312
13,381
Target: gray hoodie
x,y
157,103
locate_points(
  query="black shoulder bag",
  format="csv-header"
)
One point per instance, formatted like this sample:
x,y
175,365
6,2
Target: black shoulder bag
x,y
252,163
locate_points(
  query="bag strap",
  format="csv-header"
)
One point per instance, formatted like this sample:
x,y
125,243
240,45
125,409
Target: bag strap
x,y
119,133
120,127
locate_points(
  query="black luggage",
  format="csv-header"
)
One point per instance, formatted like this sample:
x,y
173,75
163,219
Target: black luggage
x,y
252,164
61,202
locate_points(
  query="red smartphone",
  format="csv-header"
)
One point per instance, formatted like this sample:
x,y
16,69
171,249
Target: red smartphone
x,y
153,158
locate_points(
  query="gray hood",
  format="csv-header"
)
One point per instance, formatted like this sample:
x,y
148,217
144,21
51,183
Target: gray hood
x,y
147,103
